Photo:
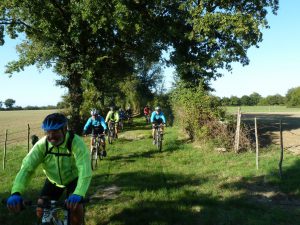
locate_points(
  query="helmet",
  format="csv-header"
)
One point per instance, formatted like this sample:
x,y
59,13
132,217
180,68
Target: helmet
x,y
157,108
94,112
54,121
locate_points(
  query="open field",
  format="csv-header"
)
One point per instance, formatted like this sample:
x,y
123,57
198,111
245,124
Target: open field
x,y
16,123
268,120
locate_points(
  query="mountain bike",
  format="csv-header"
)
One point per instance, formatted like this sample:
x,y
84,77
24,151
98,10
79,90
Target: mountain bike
x,y
158,136
52,212
97,149
121,124
111,132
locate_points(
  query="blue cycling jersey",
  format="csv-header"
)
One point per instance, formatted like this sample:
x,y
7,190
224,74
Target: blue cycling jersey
x,y
98,121
157,116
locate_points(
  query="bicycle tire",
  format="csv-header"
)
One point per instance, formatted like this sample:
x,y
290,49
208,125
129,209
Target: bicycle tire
x,y
94,158
158,139
111,136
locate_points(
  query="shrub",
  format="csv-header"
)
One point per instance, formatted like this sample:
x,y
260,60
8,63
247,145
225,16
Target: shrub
x,y
202,117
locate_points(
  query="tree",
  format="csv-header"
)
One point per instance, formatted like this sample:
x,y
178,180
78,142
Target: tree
x,y
272,100
1,103
255,98
9,103
235,101
245,100
293,97
102,41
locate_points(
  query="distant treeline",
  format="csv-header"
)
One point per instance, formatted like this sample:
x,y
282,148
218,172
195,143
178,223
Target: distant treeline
x,y
291,99
29,108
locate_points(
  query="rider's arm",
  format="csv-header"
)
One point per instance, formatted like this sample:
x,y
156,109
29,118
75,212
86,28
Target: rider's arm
x,y
152,117
103,124
163,118
87,125
29,164
83,164
107,117
117,118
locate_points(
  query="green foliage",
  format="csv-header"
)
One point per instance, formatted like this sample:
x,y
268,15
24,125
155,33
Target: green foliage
x,y
197,112
293,97
103,42
272,100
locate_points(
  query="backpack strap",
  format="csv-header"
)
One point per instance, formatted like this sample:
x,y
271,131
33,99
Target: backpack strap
x,y
70,140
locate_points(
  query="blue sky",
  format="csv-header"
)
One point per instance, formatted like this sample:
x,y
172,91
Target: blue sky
x,y
274,67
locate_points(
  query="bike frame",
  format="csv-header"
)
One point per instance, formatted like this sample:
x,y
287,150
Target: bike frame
x,y
158,136
50,214
96,151
111,133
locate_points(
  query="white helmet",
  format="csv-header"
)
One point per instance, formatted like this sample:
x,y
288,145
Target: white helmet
x,y
94,112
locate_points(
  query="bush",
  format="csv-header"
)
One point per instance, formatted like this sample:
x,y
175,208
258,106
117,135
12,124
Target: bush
x,y
202,117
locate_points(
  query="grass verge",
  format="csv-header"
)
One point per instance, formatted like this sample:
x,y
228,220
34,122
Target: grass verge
x,y
183,184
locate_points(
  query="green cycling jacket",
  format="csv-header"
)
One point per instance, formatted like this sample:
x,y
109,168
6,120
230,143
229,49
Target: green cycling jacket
x,y
60,168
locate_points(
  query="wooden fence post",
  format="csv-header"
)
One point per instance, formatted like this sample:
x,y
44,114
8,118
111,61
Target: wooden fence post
x,y
237,132
281,150
4,154
28,137
256,141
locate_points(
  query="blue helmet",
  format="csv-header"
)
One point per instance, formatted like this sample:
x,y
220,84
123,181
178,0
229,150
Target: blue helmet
x,y
54,121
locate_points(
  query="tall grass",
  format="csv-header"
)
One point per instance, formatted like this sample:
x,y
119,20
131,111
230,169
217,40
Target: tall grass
x,y
183,184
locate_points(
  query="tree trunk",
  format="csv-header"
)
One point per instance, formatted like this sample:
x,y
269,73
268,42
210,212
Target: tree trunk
x,y
76,100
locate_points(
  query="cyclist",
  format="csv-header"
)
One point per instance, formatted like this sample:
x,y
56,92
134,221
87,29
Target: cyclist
x,y
128,113
157,118
98,125
65,169
122,114
146,113
122,117
113,116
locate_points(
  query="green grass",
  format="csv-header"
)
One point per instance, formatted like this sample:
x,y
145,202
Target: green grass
x,y
183,184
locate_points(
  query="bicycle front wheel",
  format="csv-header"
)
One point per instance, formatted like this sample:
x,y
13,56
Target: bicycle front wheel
x,y
110,137
158,140
94,158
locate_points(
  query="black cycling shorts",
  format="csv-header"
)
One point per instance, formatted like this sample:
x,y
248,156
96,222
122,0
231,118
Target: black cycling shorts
x,y
51,191
158,121
97,130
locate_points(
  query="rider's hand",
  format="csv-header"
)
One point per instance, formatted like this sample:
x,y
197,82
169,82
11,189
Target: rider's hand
x,y
73,201
14,202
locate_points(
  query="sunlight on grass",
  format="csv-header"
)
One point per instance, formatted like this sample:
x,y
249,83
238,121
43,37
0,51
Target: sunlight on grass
x,y
137,184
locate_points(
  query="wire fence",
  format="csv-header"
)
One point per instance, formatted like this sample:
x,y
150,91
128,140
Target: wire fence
x,y
12,138
264,130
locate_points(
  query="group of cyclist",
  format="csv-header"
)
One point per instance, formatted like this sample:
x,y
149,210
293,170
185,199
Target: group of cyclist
x,y
65,160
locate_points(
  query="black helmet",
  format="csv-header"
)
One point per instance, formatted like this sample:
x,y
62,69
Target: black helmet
x,y
54,121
